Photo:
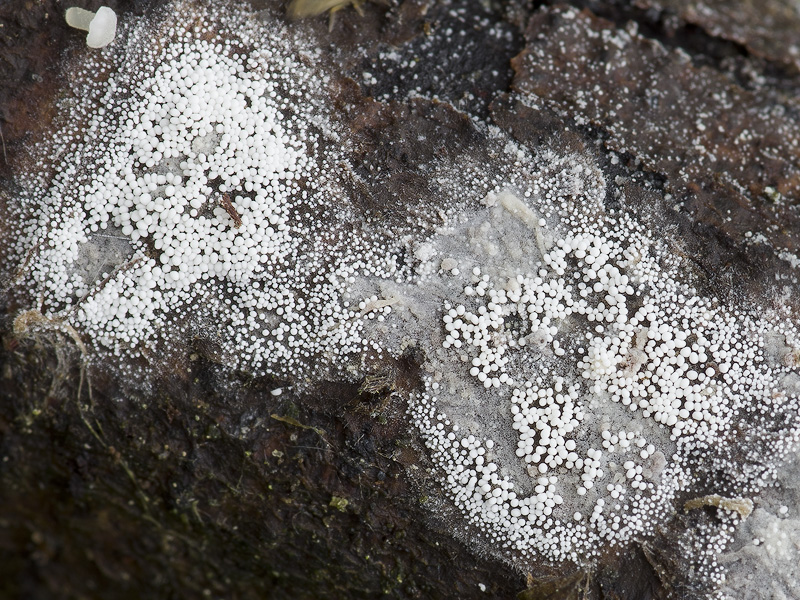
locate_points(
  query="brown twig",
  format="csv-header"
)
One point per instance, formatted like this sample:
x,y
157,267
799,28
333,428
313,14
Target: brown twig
x,y
229,208
3,139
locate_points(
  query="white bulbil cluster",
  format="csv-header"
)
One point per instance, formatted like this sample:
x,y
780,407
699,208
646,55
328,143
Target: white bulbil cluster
x,y
763,555
201,160
619,384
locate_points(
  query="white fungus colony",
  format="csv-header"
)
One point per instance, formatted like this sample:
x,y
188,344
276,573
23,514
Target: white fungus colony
x,y
619,382
200,165
576,384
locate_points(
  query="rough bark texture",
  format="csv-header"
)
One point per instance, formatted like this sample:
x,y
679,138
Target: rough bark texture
x,y
203,484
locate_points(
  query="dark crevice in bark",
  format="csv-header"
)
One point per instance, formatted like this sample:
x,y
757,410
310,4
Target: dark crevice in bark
x,y
705,50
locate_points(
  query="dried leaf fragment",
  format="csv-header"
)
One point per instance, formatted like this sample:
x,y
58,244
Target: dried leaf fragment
x,y
743,506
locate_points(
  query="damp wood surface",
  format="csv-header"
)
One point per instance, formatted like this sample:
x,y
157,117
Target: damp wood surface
x,y
206,484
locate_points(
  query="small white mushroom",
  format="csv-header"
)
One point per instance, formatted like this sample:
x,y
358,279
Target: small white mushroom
x,y
102,25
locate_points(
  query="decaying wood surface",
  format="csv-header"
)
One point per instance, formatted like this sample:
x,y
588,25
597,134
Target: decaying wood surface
x,y
204,484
